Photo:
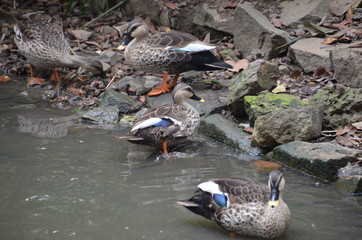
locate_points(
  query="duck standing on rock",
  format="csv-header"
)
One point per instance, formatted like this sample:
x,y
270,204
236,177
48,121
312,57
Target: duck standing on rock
x,y
243,206
169,123
169,52
45,47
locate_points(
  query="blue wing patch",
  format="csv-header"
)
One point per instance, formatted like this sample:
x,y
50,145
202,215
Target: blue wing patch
x,y
164,123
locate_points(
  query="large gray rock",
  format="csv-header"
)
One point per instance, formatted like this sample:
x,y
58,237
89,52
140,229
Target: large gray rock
x,y
287,125
298,11
266,102
102,115
341,105
347,66
124,103
310,54
150,8
319,159
252,30
259,76
222,130
211,18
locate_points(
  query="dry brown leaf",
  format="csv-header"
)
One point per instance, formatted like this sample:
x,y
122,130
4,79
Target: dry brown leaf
x,y
4,78
357,125
319,71
349,13
344,141
171,5
249,130
330,40
237,66
80,34
295,74
339,26
76,91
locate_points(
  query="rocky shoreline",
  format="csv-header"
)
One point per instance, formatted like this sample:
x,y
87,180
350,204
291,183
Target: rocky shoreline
x,y
300,99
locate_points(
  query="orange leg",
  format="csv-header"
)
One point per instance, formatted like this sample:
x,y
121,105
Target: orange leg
x,y
164,147
57,78
164,87
34,80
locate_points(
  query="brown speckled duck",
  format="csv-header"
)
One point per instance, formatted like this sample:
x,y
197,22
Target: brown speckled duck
x,y
169,123
45,46
243,206
169,52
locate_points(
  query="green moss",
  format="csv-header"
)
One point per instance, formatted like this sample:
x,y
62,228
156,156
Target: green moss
x,y
267,102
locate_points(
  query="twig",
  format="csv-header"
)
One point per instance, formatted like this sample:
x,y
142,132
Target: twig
x,y
109,84
105,13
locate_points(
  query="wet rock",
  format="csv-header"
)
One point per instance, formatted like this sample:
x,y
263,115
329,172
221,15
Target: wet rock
x,y
142,84
192,75
102,115
298,11
110,57
128,120
341,105
222,130
319,159
210,18
347,66
259,76
350,177
252,30
124,103
266,102
287,125
148,8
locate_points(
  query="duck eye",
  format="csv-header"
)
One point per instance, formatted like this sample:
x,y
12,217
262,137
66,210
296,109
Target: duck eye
x,y
220,199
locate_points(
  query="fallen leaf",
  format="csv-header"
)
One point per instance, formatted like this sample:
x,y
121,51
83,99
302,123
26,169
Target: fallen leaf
x,y
344,141
349,13
237,66
319,71
80,34
339,26
358,125
76,91
330,40
265,166
249,130
295,74
171,5
4,78
279,89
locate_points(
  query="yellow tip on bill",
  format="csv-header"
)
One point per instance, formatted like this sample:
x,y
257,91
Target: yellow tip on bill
x,y
202,100
273,204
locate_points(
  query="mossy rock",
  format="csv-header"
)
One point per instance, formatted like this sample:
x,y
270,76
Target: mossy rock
x,y
267,102
341,105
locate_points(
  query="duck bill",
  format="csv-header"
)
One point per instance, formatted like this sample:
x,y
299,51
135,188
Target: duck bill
x,y
127,40
274,198
197,98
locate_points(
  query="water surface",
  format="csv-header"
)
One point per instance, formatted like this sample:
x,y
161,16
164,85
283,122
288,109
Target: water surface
x,y
61,179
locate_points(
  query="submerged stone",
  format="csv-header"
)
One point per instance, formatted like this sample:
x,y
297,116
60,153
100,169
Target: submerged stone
x,y
225,131
318,159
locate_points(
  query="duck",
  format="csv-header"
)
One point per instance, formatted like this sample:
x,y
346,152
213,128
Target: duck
x,y
243,206
170,52
167,124
45,46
